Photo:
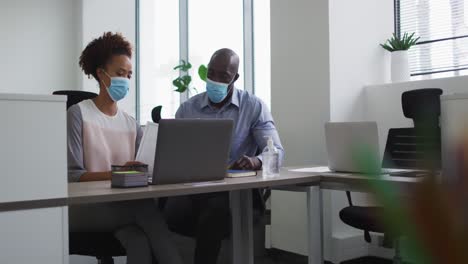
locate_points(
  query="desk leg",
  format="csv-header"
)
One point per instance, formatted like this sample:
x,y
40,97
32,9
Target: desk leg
x,y
315,227
242,230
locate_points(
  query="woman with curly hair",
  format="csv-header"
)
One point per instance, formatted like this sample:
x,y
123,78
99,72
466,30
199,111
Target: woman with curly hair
x,y
100,134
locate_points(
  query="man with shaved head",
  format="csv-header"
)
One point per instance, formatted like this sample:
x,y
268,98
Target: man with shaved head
x,y
207,216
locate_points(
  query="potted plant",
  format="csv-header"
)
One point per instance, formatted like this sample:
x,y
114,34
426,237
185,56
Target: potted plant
x,y
399,55
182,84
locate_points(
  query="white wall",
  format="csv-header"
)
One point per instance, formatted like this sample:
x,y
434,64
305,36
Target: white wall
x,y
43,40
100,16
300,94
300,98
356,59
40,46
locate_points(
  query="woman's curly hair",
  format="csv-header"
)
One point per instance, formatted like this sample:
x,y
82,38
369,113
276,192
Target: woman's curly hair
x,y
99,51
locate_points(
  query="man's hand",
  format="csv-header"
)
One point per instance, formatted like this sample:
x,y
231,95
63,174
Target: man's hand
x,y
247,163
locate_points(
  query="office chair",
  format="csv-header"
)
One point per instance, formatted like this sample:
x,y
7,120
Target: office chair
x,y
418,147
156,114
74,97
101,245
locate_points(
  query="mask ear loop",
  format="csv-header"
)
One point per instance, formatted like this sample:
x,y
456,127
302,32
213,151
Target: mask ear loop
x,y
231,82
110,78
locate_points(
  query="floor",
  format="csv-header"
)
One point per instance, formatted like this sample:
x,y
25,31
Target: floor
x,y
262,255
368,260
186,247
280,257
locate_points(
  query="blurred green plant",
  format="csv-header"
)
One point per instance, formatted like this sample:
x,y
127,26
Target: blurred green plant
x,y
396,43
431,217
397,219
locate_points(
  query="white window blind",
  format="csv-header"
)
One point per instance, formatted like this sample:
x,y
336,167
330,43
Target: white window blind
x,y
441,24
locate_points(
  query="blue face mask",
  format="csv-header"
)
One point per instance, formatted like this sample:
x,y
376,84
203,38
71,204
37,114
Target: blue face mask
x,y
118,87
216,91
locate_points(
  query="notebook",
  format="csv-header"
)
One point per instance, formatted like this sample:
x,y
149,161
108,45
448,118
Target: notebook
x,y
147,148
240,173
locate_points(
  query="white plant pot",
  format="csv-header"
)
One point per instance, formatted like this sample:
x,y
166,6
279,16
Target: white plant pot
x,y
400,66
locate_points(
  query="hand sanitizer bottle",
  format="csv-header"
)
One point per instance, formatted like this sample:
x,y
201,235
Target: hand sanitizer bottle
x,y
270,156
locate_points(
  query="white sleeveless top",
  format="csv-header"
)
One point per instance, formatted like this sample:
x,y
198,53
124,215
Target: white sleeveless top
x,y
107,140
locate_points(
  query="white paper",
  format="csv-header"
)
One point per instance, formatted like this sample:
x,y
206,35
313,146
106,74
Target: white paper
x,y
313,169
147,150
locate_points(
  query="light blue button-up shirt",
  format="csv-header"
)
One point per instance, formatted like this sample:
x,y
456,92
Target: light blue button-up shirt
x,y
252,122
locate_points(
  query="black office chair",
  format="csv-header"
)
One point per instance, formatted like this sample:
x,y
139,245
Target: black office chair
x,y
418,147
74,97
101,245
413,148
156,114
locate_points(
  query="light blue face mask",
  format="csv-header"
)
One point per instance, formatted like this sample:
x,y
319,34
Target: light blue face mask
x,y
216,91
118,88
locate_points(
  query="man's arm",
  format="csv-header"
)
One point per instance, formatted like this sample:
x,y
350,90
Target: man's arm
x,y
262,128
265,127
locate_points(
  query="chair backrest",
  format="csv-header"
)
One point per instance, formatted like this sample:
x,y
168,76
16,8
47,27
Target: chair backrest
x,y
418,147
423,106
410,149
156,114
74,97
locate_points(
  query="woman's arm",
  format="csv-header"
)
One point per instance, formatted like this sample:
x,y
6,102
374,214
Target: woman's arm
x,y
95,176
104,175
74,144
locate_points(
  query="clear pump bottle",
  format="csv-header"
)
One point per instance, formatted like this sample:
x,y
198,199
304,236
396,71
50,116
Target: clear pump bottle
x,y
270,156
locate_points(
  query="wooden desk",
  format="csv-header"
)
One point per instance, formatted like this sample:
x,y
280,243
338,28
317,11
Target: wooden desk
x,y
95,192
240,199
343,182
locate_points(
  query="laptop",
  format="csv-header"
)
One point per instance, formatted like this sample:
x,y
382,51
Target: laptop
x,y
192,150
346,140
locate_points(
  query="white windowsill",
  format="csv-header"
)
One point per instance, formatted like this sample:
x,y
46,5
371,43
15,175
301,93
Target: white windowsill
x,y
429,83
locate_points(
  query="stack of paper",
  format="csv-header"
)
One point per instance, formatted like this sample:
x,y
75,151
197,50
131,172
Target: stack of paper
x,y
126,179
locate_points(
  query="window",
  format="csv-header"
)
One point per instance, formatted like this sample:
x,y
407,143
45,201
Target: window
x,y
442,50
171,31
158,54
262,51
215,24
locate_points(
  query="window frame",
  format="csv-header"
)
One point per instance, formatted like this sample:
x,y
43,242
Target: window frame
x,y
248,59
397,30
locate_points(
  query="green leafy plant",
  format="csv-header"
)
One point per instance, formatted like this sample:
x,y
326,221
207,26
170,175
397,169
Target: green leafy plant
x,y
395,43
182,83
203,72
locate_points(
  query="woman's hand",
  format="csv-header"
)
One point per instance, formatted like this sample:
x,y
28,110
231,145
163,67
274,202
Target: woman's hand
x,y
133,163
